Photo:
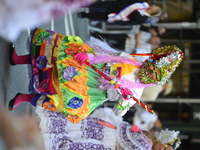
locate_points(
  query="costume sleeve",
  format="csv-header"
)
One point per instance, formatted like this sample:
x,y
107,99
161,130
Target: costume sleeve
x,y
123,106
113,95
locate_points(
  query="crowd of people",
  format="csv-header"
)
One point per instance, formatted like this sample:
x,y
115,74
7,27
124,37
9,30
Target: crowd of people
x,y
69,80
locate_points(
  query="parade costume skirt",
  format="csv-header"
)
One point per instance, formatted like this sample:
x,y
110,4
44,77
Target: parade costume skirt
x,y
59,133
54,72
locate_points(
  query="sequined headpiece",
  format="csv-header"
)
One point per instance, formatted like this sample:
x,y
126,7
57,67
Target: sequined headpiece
x,y
161,65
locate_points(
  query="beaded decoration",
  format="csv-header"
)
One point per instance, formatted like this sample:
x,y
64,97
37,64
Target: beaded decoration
x,y
161,65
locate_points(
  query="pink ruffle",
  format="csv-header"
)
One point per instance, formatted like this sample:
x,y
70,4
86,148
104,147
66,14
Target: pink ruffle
x,y
114,59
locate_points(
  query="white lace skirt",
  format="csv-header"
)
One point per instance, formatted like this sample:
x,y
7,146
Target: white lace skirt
x,y
61,134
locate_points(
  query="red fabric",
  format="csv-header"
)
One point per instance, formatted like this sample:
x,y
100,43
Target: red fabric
x,y
107,124
23,98
20,59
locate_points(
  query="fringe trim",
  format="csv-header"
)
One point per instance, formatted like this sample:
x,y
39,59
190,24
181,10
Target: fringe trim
x,y
29,66
29,40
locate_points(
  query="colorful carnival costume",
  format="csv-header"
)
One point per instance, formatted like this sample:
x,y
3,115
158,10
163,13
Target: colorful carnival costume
x,y
96,134
61,81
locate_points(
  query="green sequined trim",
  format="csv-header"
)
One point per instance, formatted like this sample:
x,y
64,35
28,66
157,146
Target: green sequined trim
x,y
41,37
120,107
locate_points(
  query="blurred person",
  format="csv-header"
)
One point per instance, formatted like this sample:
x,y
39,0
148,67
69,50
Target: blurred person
x,y
153,21
145,40
144,119
120,11
20,132
158,126
150,94
160,146
16,16
94,133
154,31
142,43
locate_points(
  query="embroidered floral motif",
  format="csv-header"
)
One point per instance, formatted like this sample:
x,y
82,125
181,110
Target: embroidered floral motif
x,y
63,142
57,125
93,129
49,106
75,39
87,146
46,86
69,73
75,102
41,62
58,129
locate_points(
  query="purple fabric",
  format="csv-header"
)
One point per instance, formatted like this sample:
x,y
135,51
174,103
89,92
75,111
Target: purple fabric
x,y
57,124
69,73
65,143
133,140
93,130
99,49
49,40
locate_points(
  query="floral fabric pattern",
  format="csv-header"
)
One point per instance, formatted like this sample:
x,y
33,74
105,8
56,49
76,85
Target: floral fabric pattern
x,y
42,36
75,102
60,134
46,86
49,106
69,73
93,130
74,118
41,62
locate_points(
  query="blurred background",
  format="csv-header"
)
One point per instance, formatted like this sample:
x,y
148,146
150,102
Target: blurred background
x,y
179,110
